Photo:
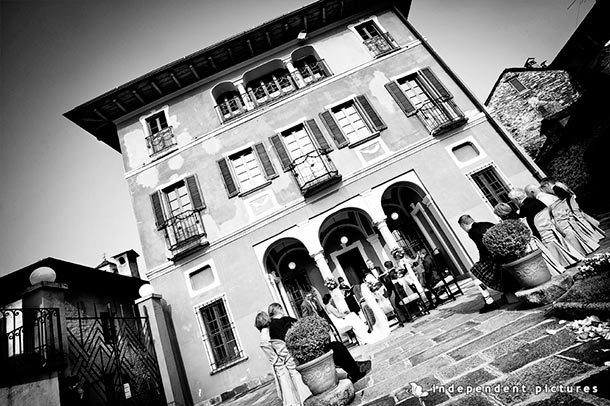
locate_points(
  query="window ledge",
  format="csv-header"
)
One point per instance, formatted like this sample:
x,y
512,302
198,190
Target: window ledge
x,y
365,139
166,151
229,365
379,55
254,189
188,248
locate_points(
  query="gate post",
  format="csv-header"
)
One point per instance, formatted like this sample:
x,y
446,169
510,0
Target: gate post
x,y
172,373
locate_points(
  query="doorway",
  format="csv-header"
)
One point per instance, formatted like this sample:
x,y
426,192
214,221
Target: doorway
x,y
353,266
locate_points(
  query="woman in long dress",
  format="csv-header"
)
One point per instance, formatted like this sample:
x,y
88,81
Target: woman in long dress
x,y
573,223
381,328
288,382
557,247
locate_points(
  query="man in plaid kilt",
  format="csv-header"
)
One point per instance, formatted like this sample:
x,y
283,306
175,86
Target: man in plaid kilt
x,y
486,269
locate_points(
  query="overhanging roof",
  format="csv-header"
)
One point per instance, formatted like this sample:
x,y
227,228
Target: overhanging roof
x,y
98,115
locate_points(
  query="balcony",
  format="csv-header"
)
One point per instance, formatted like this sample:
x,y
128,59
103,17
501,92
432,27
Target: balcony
x,y
30,342
381,44
231,107
440,115
274,88
184,232
312,72
314,171
160,141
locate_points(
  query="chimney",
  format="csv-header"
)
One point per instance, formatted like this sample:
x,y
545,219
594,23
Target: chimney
x,y
127,263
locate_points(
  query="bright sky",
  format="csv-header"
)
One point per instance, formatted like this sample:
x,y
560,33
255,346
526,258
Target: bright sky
x,y
64,194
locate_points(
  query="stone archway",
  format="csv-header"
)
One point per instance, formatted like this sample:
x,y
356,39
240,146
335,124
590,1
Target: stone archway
x,y
349,240
416,223
292,272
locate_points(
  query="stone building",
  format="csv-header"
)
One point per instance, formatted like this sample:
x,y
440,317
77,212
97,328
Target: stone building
x,y
291,153
522,98
559,112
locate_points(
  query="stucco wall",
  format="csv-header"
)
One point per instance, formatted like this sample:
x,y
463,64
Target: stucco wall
x,y
41,392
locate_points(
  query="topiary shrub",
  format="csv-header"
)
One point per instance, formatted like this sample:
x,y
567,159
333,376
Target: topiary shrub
x,y
307,338
508,240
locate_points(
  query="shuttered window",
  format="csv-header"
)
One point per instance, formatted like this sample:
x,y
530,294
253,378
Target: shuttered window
x,y
156,122
352,121
491,185
246,170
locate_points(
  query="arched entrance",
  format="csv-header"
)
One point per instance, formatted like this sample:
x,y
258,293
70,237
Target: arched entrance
x,y
416,223
293,272
349,241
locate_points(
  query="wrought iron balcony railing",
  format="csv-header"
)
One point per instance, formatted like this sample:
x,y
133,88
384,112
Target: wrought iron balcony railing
x,y
160,141
184,231
314,171
381,44
312,72
231,107
275,88
440,115
30,341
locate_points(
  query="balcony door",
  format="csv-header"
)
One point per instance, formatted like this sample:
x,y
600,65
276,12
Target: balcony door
x,y
306,161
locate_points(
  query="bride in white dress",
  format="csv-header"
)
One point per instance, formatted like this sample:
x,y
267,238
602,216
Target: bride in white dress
x,y
381,328
342,320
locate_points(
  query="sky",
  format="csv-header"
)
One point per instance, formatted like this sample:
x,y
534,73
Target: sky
x,y
64,194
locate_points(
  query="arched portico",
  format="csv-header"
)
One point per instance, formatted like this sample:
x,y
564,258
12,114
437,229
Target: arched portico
x,y
415,223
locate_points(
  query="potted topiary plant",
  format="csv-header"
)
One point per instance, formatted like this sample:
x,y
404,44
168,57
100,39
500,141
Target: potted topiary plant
x,y
306,340
510,243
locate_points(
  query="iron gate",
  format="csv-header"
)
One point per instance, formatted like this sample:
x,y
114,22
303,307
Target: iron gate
x,y
114,360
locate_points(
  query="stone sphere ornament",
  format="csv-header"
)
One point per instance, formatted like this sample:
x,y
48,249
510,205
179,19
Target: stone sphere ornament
x,y
42,274
146,290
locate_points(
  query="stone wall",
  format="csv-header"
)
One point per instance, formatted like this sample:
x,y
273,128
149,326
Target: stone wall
x,y
547,92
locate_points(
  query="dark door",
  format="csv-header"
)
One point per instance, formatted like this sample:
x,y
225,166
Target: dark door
x,y
353,265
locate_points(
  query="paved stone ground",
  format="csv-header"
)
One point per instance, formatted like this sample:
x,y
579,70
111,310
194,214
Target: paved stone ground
x,y
508,355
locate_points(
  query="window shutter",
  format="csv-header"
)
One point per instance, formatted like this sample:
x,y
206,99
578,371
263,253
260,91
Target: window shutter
x,y
196,198
281,152
314,129
400,98
227,177
157,206
371,113
333,129
436,84
268,168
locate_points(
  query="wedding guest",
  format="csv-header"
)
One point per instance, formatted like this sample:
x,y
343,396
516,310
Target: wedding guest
x,y
528,207
534,191
505,212
487,271
279,325
394,298
290,388
561,251
582,220
564,218
348,294
347,319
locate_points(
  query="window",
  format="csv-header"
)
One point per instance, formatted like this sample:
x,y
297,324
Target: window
x,y
160,137
303,150
271,86
377,41
246,170
177,213
311,69
491,186
352,122
422,94
219,335
465,152
516,83
202,279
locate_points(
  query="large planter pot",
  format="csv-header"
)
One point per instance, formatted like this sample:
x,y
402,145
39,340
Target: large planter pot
x,y
530,271
319,374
